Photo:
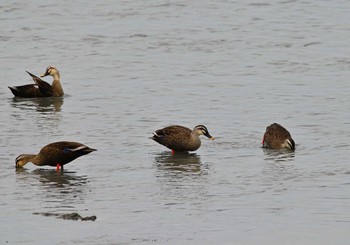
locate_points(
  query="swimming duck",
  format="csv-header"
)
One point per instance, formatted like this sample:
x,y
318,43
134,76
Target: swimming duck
x,y
277,137
40,88
55,154
179,138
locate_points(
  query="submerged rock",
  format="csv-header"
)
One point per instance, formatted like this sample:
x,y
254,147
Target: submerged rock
x,y
69,216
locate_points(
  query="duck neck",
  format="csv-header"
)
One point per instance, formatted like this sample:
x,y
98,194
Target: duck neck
x,y
32,158
56,76
195,137
195,142
57,87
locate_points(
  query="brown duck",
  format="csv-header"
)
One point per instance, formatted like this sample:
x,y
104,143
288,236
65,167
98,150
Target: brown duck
x,y
55,154
179,138
40,88
277,137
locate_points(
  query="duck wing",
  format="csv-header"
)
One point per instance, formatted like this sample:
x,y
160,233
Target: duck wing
x,y
26,91
63,152
171,131
278,132
44,87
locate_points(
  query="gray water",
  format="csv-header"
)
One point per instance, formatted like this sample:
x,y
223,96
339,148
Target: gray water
x,y
131,67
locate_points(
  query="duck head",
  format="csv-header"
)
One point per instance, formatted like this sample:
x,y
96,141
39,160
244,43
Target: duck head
x,y
22,160
202,130
52,71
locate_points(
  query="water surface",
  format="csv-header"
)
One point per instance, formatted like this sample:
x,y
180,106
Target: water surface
x,y
131,67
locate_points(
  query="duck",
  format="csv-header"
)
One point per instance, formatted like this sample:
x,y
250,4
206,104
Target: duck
x,y
181,139
40,88
277,137
55,154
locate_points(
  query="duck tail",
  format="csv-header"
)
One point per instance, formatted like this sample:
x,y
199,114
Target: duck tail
x,y
14,90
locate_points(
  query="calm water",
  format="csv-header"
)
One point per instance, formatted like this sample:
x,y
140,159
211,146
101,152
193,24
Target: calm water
x,y
131,67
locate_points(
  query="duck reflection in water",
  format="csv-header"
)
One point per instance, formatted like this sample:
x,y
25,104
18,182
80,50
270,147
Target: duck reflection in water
x,y
279,155
47,104
50,177
182,162
182,178
52,191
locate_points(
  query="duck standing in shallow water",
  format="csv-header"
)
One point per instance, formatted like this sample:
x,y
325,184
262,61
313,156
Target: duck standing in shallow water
x,y
55,154
277,137
40,88
179,138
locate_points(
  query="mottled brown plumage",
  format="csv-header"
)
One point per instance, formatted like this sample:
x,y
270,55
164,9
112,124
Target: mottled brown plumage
x,y
55,154
40,88
277,137
179,138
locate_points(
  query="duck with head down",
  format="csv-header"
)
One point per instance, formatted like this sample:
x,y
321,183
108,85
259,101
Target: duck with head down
x,y
277,137
40,88
55,154
179,138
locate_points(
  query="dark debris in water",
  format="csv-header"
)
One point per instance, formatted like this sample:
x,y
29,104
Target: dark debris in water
x,y
69,216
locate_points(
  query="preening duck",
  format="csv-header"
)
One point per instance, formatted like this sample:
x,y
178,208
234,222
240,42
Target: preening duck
x,y
40,88
277,137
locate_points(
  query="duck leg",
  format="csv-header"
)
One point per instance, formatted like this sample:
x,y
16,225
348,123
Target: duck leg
x,y
58,167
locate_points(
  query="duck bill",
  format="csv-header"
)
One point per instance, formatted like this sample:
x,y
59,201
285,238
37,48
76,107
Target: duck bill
x,y
210,137
45,74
